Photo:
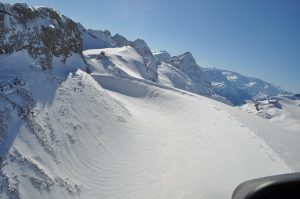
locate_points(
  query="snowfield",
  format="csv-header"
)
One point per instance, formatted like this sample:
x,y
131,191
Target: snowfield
x,y
187,147
103,136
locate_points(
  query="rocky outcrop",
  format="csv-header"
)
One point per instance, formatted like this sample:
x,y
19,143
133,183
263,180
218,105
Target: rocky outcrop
x,y
43,32
150,62
162,56
120,41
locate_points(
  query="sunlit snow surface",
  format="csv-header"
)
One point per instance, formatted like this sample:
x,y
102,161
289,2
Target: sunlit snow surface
x,y
123,137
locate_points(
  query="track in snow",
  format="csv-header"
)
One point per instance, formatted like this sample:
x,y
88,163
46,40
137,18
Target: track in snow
x,y
179,146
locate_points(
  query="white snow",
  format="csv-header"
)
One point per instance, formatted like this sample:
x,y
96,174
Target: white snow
x,y
217,84
127,130
250,84
281,132
171,76
124,59
135,140
232,77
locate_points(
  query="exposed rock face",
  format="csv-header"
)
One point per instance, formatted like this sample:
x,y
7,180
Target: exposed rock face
x,y
162,56
104,35
151,63
184,62
42,31
187,64
120,41
95,39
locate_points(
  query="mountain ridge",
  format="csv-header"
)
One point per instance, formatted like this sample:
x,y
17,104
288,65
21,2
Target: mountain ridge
x,y
42,46
108,118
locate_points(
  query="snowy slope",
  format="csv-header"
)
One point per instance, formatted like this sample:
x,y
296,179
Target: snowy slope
x,y
283,110
186,64
171,76
126,61
128,129
281,131
119,61
130,140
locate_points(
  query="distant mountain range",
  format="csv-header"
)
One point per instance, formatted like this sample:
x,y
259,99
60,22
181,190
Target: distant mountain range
x,y
47,34
84,114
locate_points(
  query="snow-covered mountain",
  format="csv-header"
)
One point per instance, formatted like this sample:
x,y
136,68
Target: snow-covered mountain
x,y
84,114
238,88
95,39
183,72
186,64
162,56
46,33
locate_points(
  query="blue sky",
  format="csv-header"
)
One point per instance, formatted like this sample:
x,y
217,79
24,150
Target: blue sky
x,y
259,38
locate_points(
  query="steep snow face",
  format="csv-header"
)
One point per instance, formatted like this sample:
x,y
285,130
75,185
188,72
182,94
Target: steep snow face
x,y
43,32
173,77
117,61
188,66
238,88
184,62
162,56
49,146
141,47
151,63
120,41
23,86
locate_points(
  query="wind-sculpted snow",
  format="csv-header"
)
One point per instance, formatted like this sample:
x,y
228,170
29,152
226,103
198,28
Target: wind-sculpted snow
x,y
117,61
280,126
130,140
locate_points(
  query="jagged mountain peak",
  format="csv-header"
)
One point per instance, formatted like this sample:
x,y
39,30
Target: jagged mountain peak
x,y
103,35
141,46
184,61
120,40
162,55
